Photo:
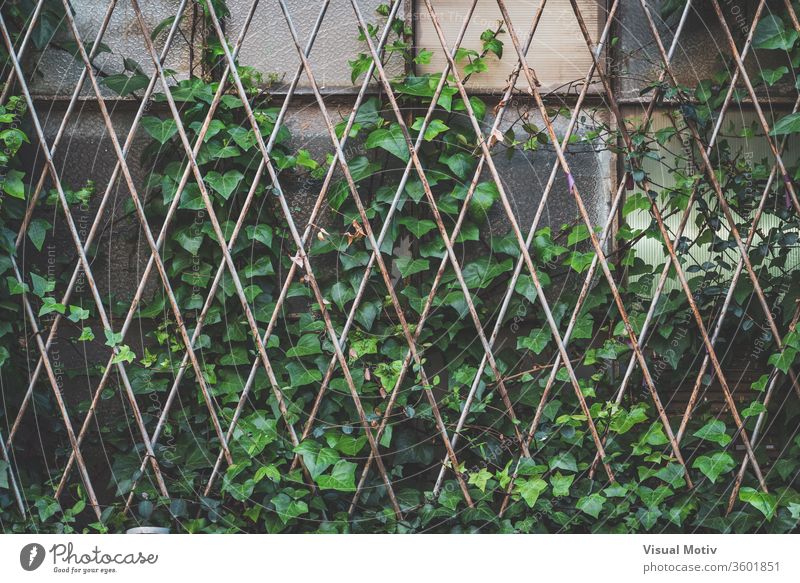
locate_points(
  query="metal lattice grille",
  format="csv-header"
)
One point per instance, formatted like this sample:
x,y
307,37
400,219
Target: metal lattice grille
x,y
523,81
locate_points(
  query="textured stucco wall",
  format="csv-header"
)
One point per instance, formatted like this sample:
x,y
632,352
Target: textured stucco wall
x,y
54,71
702,49
268,45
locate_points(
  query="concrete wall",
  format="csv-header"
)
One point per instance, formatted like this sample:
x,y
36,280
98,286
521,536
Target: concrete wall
x,y
702,50
268,45
54,71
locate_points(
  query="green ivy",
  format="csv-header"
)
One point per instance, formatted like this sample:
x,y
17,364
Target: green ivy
x,y
556,489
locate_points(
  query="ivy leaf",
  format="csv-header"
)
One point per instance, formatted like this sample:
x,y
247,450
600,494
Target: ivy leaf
x,y
189,239
47,507
476,66
624,421
269,471
530,490
434,128
347,444
715,465
86,335
495,46
754,409
577,234
561,484
217,151
761,383
112,338
648,517
783,360
305,160
564,461
483,198
316,459
526,288
391,140
761,501
51,305
423,57
772,76
37,231
224,184
308,345
771,33
13,185
125,354
160,130
480,479
76,314
16,288
409,266
300,375
579,261
536,341
260,233
287,508
123,85
366,314
787,125
359,66
616,491
591,504
672,474
342,477
478,106
341,293
584,327
243,137
714,431
460,164
417,227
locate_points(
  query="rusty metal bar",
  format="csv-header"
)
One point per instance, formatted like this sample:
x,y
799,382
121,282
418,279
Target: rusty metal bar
x,y
73,232
14,486
434,207
533,84
583,294
120,164
291,224
445,259
234,234
535,223
454,234
726,210
294,266
789,186
21,51
29,215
